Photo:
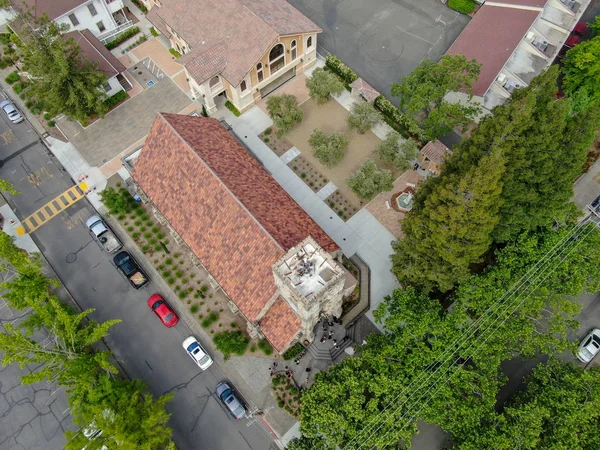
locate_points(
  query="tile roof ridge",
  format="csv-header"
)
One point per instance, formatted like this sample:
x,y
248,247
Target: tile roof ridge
x,y
212,119
95,48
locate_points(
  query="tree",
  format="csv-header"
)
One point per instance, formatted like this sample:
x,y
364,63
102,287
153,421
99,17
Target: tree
x,y
581,69
128,416
284,112
545,147
422,93
362,117
400,154
330,150
321,84
368,181
62,79
117,201
452,230
7,186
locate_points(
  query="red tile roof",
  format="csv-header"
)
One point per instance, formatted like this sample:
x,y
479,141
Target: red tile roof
x,y
53,8
280,325
96,53
226,207
491,37
435,151
523,3
239,32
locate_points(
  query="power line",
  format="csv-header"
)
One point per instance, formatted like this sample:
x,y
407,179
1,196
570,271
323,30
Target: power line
x,y
567,244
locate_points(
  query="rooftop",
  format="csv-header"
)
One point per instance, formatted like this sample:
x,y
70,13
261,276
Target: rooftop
x,y
53,8
280,324
435,151
235,35
95,52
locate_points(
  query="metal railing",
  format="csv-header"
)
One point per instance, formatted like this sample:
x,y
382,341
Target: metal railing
x,y
105,37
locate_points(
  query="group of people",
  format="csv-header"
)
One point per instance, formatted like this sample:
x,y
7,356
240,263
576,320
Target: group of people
x,y
327,332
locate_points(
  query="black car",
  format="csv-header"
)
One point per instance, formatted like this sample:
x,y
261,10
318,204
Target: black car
x,y
596,204
131,270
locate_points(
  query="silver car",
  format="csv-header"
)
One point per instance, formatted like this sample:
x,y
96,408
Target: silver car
x,y
230,400
589,347
11,111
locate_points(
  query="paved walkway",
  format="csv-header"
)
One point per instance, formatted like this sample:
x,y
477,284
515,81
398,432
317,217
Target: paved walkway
x,y
587,187
361,234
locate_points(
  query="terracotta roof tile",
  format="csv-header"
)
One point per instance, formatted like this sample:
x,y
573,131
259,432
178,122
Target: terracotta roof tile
x,y
367,91
435,151
280,324
491,37
244,30
226,207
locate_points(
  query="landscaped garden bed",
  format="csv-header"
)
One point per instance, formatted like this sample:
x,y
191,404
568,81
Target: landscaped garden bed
x,y
341,206
278,145
286,394
190,283
351,301
308,173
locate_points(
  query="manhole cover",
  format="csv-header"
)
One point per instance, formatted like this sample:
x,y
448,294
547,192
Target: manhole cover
x,y
71,257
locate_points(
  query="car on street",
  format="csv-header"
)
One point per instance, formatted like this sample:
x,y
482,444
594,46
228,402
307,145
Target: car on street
x,y
103,234
11,111
131,270
595,205
230,400
589,347
197,353
164,312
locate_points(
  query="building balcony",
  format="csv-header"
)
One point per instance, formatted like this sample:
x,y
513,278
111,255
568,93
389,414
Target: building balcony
x,y
114,5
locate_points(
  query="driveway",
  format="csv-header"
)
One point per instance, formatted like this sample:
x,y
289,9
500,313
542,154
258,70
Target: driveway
x,y
104,139
383,40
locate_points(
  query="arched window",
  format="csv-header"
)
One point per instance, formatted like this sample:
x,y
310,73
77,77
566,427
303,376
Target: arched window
x,y
309,42
243,86
293,47
276,58
214,81
259,72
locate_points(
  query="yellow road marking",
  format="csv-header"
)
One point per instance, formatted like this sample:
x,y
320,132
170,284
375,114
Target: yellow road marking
x,y
53,208
39,176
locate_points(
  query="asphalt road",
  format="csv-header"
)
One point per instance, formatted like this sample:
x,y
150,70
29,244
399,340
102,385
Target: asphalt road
x,y
383,40
145,348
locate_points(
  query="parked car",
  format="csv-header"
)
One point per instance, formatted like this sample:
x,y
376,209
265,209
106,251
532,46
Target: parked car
x,y
589,347
595,205
11,111
103,234
164,312
131,270
197,353
230,400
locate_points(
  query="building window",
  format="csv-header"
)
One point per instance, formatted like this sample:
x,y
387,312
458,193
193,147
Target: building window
x,y
92,9
73,20
243,86
106,87
293,47
276,58
178,47
309,42
259,72
101,27
214,81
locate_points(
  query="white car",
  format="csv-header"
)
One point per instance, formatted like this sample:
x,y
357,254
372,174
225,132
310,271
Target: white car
x,y
589,347
11,111
197,353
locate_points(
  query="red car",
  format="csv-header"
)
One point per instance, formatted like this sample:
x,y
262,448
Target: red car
x,y
162,310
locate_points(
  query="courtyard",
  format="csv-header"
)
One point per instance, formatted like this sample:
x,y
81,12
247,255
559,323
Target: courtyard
x,y
383,40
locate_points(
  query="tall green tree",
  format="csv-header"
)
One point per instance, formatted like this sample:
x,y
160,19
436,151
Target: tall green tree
x,y
284,112
330,150
126,414
7,186
422,93
363,116
581,69
400,154
369,180
452,230
322,84
63,80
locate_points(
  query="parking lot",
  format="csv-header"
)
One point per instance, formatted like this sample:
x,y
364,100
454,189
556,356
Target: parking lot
x,y
383,40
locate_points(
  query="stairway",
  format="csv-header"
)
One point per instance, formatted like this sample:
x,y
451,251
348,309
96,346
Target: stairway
x,y
317,353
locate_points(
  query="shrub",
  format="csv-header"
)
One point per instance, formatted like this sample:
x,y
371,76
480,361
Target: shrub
x,y
13,77
363,116
231,107
5,61
294,351
168,261
463,6
153,31
135,235
113,100
166,273
147,235
264,345
203,288
267,140
231,342
145,248
51,123
284,112
268,131
179,274
116,202
47,116
130,229
140,5
20,86
345,72
158,247
330,150
170,281
183,294
321,84
155,229
397,120
4,38
194,309
210,319
123,36
138,41
175,53
176,255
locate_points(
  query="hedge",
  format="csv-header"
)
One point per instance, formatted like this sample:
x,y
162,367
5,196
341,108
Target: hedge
x,y
293,351
175,53
405,125
231,107
335,64
463,6
115,99
122,38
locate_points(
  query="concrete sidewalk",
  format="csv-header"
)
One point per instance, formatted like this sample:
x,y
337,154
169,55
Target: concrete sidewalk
x,y
587,187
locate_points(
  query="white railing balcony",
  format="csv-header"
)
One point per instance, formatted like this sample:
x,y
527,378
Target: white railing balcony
x,y
114,5
109,35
